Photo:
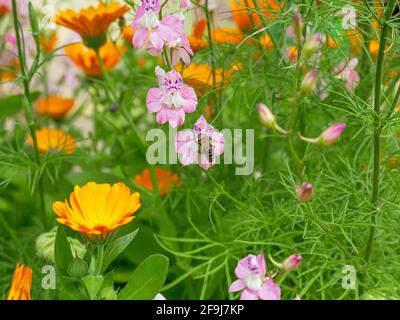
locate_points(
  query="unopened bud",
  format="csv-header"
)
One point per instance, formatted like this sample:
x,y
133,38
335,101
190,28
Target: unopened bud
x,y
268,119
298,25
312,44
185,4
291,263
78,268
304,192
309,82
331,134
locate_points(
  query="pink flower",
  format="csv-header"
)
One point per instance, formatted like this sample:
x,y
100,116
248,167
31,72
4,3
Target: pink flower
x,y
185,4
304,192
202,145
172,99
309,82
331,134
347,72
251,272
153,34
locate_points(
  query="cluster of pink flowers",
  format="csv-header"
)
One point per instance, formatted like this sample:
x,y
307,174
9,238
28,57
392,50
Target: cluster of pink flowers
x,y
253,280
173,98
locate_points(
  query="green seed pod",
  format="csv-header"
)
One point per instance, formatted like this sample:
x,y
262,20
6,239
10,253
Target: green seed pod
x,y
78,268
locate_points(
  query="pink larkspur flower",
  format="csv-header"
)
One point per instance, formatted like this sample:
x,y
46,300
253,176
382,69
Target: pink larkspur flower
x,y
304,192
153,34
185,4
252,281
348,73
202,145
292,262
172,99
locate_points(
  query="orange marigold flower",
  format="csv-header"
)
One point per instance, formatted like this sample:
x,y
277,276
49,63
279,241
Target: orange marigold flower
x,y
128,33
166,180
244,12
196,40
49,139
48,42
98,209
85,58
21,283
54,107
266,41
92,22
227,35
201,76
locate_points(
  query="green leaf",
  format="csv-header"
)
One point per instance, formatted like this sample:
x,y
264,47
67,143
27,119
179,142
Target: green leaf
x,y
10,105
93,285
115,248
62,252
147,280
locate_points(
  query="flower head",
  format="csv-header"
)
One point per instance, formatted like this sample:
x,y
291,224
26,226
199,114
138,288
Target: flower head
x,y
347,72
172,99
92,23
202,145
85,58
304,192
49,139
21,284
166,180
252,281
54,107
97,209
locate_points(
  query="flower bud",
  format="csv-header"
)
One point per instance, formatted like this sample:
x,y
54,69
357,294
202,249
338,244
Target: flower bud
x,y
312,44
185,4
309,82
291,263
331,134
78,268
267,118
304,192
298,25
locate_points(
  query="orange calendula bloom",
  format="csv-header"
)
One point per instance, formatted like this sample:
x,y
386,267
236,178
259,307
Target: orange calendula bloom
x,y
128,33
98,209
244,12
201,76
227,35
54,107
85,58
48,42
196,40
21,283
166,180
92,22
49,139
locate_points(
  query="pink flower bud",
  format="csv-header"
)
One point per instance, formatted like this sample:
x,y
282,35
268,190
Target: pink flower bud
x,y
185,4
331,134
292,262
309,82
298,26
266,116
312,44
304,192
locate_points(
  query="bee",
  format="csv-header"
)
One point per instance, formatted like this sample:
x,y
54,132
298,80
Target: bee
x,y
206,147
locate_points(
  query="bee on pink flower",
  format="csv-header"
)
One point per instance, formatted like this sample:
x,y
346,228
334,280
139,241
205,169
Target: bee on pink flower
x,y
202,145
172,99
252,281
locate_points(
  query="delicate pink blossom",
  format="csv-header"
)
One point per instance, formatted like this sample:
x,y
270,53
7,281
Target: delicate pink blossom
x,y
267,118
185,4
304,192
309,82
153,34
172,99
348,73
202,145
252,281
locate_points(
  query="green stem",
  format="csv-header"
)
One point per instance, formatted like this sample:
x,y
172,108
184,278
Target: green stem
x,y
99,259
28,106
377,130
